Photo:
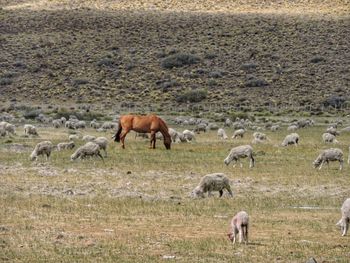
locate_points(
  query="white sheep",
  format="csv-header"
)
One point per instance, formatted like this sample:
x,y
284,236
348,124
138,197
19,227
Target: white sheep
x,y
80,125
102,142
70,125
238,133
2,132
292,127
57,123
8,127
189,135
292,138
42,148
94,124
240,152
332,154
275,128
174,135
222,134
73,137
89,149
212,182
30,130
88,138
345,217
333,131
329,138
259,137
65,145
108,125
239,225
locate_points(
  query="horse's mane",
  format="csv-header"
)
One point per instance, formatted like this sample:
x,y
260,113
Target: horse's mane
x,y
164,128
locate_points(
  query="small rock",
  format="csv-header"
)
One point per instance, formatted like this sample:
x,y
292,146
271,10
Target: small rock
x,y
168,257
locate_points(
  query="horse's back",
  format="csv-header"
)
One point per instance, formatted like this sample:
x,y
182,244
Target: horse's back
x,y
140,123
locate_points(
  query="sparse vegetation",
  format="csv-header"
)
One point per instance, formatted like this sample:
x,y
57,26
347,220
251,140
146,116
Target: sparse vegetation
x,y
179,60
192,96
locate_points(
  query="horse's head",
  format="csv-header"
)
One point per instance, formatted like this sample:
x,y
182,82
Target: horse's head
x,y
167,143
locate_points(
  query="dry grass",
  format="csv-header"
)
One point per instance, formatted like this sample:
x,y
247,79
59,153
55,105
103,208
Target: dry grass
x,y
136,206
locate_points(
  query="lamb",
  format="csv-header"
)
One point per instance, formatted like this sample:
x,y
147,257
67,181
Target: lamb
x,y
212,182
201,127
42,148
189,135
292,138
240,152
345,217
94,124
102,143
70,125
239,225
173,134
88,149
332,154
238,133
329,138
65,145
30,130
88,138
222,134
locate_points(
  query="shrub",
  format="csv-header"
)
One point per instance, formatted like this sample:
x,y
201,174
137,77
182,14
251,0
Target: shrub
x,y
31,114
192,96
5,81
335,102
179,60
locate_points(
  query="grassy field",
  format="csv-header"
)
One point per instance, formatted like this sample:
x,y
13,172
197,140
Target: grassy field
x,y
136,205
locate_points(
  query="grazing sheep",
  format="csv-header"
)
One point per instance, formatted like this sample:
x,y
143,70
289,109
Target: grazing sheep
x,y
70,125
292,127
80,125
240,152
189,135
88,138
275,128
73,137
259,137
65,146
212,127
102,142
57,123
108,125
174,135
239,225
42,148
332,131
8,127
30,130
332,154
94,124
222,134
238,133
88,149
292,138
227,123
329,138
345,217
346,129
212,182
201,127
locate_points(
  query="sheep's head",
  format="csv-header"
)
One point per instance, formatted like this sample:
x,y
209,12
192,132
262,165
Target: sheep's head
x,y
227,160
317,162
73,157
230,236
197,192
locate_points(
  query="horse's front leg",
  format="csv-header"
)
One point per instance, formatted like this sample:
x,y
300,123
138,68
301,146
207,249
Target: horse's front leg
x,y
153,140
122,137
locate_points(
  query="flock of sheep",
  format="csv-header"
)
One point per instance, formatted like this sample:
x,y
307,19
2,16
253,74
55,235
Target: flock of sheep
x,y
209,183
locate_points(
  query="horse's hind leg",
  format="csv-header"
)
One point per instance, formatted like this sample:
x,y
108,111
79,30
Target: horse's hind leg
x,y
122,137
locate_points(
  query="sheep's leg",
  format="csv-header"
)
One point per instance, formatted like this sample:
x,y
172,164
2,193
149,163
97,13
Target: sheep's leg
x,y
229,191
234,237
341,164
99,155
321,165
240,164
240,233
252,162
209,194
346,226
246,234
221,192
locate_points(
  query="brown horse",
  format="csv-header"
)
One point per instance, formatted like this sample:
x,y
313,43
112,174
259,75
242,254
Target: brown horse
x,y
143,124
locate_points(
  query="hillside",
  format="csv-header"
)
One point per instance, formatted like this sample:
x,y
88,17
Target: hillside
x,y
248,56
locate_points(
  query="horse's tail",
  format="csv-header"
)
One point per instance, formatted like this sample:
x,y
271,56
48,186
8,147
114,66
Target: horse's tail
x,y
117,135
